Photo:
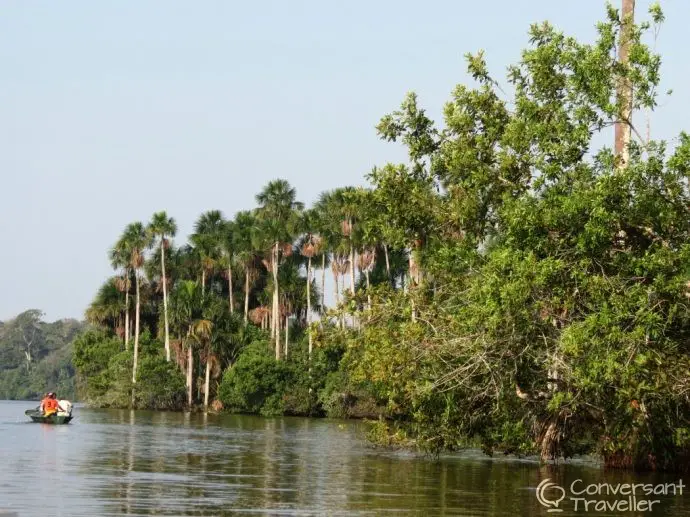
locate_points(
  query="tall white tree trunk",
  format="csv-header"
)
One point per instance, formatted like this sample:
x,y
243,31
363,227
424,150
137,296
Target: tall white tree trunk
x,y
230,299
323,283
246,294
190,375
276,303
352,269
337,291
207,384
203,282
165,302
136,338
309,304
127,315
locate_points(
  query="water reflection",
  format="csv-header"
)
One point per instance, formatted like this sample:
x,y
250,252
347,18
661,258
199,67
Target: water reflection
x,y
148,463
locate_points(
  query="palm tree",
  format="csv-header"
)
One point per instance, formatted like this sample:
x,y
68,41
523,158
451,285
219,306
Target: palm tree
x,y
186,302
208,232
228,247
163,227
277,212
311,247
107,308
243,227
120,259
136,240
202,333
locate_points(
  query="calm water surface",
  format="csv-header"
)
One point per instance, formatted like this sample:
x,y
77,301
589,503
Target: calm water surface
x,y
110,462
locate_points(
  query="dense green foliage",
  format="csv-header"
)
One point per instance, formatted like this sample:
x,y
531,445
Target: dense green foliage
x,y
105,373
36,357
511,285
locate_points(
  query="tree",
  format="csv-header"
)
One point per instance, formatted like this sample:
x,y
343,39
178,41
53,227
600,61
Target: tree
x,y
163,227
27,332
186,304
135,240
311,246
277,214
207,239
229,257
120,258
244,227
107,308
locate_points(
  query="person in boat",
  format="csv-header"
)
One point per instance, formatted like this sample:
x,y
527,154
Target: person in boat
x,y
50,405
66,408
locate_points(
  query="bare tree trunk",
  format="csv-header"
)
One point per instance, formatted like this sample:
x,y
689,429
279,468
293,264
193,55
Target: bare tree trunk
x,y
309,304
625,94
127,315
342,316
388,265
190,376
165,302
246,294
207,384
323,283
276,303
337,292
230,299
203,282
136,338
352,269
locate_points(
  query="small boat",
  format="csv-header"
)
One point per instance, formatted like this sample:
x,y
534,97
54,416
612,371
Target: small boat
x,y
37,416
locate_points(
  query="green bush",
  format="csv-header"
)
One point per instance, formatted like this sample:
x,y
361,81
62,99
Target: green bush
x,y
105,372
257,383
160,385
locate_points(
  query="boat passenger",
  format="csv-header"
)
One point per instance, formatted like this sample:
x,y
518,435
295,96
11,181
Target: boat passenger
x,y
65,408
50,405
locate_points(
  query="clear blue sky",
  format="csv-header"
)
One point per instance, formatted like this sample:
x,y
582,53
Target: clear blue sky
x,y
110,111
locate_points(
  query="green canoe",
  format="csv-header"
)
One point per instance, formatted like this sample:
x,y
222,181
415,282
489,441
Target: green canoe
x,y
37,416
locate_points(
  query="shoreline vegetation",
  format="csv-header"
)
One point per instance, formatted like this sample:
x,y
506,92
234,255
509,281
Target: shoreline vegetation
x,y
511,285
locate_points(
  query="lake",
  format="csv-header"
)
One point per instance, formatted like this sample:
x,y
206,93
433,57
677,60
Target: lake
x,y
121,462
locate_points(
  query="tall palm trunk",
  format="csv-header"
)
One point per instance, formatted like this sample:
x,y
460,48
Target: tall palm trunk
x,y
276,304
246,294
230,299
207,384
342,290
136,337
203,282
308,304
190,374
323,283
165,302
126,317
352,269
336,282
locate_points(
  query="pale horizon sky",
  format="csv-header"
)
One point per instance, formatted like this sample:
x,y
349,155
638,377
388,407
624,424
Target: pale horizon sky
x,y
111,111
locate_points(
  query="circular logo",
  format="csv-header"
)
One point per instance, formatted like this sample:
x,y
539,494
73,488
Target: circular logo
x,y
550,502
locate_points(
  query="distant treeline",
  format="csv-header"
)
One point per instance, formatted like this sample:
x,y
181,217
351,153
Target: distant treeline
x,y
36,357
